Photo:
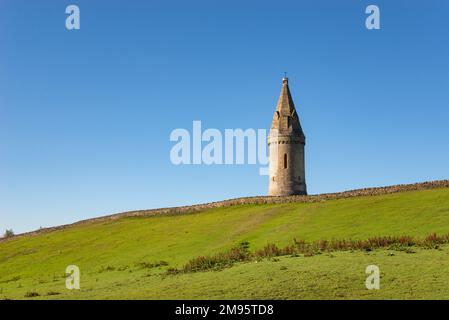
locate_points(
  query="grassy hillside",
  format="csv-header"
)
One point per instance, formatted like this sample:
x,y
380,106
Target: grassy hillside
x,y
109,252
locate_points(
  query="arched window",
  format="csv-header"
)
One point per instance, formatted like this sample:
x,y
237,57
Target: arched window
x,y
285,161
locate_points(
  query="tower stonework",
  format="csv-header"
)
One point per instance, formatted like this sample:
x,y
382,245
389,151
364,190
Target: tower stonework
x,y
286,142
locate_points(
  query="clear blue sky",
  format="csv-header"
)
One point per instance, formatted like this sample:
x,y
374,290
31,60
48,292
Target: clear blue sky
x,y
85,116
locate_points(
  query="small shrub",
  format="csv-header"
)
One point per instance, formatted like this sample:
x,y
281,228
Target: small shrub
x,y
323,245
289,250
218,261
309,254
172,271
432,238
122,268
407,241
31,294
8,234
244,245
150,265
106,269
270,250
300,245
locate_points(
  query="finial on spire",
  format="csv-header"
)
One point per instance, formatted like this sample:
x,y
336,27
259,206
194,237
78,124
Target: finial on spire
x,y
285,78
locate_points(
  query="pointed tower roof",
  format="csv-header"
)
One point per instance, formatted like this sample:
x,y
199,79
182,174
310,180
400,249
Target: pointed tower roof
x,y
285,118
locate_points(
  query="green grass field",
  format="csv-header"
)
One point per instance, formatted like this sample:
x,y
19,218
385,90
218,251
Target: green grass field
x,y
108,253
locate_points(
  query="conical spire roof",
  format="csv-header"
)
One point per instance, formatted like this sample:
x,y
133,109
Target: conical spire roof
x,y
285,118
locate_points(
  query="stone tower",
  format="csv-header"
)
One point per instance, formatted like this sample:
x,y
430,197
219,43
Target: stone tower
x,y
286,142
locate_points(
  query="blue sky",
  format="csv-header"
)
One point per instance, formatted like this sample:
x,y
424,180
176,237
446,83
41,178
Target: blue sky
x,y
86,115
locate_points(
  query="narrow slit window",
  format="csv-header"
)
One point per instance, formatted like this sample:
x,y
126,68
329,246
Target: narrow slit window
x,y
285,161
